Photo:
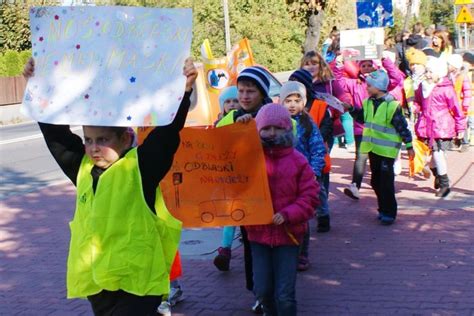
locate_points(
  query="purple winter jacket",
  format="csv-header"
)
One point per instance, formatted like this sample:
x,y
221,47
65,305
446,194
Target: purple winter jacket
x,y
357,88
294,192
440,115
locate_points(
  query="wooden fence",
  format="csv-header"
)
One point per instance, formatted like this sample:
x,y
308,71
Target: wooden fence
x,y
11,90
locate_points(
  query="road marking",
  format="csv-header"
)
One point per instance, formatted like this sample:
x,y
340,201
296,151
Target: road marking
x,y
31,137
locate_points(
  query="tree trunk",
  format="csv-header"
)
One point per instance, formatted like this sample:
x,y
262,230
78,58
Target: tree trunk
x,y
315,20
408,15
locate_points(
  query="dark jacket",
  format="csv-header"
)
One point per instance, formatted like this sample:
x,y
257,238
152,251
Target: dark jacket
x,y
155,155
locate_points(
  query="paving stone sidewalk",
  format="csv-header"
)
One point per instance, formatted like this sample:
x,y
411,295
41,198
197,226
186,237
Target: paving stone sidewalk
x,y
422,265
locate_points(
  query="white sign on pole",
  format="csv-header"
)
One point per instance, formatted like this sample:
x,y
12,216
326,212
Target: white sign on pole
x,y
107,66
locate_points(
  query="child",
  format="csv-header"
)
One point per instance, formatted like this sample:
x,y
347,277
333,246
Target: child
x,y
310,144
357,88
124,269
385,128
228,101
440,118
253,86
325,126
294,195
417,61
462,86
323,81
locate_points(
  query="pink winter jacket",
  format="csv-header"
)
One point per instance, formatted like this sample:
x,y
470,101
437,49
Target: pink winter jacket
x,y
440,115
357,88
294,192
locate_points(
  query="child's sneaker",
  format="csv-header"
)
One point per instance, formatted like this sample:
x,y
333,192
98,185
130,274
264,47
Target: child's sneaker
x,y
222,260
257,308
352,191
303,263
387,220
164,309
351,148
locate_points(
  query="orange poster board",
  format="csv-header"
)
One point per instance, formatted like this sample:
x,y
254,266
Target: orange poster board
x,y
218,178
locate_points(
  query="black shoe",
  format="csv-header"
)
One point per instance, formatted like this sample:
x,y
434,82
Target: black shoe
x,y
324,224
443,186
222,260
443,192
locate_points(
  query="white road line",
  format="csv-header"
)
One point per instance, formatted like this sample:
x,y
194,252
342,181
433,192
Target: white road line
x,y
30,137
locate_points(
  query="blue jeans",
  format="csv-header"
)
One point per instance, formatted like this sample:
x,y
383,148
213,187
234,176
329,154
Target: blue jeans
x,y
274,275
348,125
323,208
360,163
228,233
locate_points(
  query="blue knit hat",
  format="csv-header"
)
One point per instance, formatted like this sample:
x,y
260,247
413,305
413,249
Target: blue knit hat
x,y
226,94
378,79
305,77
257,76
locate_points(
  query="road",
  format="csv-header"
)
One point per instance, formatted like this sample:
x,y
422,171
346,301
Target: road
x,y
25,162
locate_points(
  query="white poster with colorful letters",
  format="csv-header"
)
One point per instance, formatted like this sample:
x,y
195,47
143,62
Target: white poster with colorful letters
x,y
107,66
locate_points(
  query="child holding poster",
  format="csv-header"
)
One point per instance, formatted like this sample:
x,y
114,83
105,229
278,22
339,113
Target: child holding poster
x,y
253,87
117,191
294,195
310,143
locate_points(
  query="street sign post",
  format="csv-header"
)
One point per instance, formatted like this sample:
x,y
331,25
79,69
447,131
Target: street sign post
x,y
464,17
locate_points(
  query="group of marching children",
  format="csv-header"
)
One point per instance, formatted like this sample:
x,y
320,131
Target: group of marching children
x,y
297,135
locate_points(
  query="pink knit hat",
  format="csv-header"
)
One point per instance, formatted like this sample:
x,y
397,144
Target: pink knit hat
x,y
273,114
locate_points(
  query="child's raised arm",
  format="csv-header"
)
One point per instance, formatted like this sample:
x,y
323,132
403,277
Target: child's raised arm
x,y
66,147
155,155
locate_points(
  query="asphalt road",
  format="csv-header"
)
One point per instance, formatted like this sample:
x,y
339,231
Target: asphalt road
x,y
25,162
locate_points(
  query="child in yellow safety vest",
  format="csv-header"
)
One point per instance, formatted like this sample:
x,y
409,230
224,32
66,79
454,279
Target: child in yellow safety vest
x,y
123,240
385,128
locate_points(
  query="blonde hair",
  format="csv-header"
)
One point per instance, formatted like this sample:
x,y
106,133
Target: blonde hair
x,y
325,73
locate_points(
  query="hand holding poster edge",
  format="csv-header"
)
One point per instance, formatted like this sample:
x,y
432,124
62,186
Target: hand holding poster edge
x,y
73,95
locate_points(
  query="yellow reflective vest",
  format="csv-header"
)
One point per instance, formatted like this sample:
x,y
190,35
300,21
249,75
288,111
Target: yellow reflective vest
x,y
117,242
379,135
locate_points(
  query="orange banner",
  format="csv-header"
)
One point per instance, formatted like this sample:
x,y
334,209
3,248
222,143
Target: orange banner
x,y
223,72
218,178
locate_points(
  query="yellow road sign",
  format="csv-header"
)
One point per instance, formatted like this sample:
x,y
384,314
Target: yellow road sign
x,y
458,2
464,16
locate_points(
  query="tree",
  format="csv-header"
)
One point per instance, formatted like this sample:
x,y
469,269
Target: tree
x,y
319,17
11,59
14,27
439,12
